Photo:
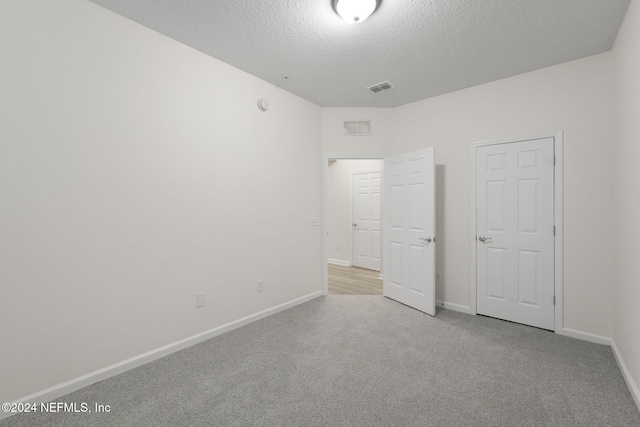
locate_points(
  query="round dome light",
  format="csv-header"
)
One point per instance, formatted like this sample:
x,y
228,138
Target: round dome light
x,y
355,11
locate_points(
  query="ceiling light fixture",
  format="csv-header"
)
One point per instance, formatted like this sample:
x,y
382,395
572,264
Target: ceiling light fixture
x,y
354,11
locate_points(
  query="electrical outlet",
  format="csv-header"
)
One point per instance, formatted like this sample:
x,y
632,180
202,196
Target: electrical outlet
x,y
260,285
201,300
315,221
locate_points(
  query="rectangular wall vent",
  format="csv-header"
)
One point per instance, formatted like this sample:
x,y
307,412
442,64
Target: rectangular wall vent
x,y
379,87
357,127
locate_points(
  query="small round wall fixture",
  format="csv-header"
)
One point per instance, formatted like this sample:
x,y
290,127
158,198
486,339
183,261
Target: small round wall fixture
x,y
355,11
263,104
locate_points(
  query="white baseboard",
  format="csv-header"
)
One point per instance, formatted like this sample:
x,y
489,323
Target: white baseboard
x,y
631,384
70,386
597,339
585,336
339,262
454,307
380,277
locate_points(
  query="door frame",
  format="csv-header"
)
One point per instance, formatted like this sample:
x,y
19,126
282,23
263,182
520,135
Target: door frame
x,y
557,178
325,192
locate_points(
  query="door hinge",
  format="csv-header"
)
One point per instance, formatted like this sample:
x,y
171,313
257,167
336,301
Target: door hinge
x,y
554,300
554,160
554,230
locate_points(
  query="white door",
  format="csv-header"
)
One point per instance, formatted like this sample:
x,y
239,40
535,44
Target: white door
x,y
366,220
515,227
408,229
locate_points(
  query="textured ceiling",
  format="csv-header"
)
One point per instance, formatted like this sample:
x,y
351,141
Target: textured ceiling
x,y
423,47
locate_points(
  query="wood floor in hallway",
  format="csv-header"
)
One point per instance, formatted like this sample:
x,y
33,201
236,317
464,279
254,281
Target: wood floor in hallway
x,y
353,281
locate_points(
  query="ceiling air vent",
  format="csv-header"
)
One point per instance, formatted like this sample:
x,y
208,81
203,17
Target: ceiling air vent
x,y
379,87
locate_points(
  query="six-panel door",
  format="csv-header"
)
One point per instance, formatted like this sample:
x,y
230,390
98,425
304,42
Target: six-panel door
x,y
409,227
515,227
366,220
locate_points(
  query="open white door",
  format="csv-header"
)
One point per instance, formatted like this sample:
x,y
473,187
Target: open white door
x,y
409,228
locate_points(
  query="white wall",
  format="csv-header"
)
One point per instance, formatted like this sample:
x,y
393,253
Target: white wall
x,y
626,189
339,203
136,172
575,97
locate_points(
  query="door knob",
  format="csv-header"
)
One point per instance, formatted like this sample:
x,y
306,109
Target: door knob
x,y
426,240
484,239
354,224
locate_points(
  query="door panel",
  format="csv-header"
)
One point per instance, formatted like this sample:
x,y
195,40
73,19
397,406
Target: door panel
x,y
528,285
496,267
409,227
515,217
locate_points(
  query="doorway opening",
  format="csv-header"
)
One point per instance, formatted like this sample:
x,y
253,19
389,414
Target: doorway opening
x,y
352,225
408,219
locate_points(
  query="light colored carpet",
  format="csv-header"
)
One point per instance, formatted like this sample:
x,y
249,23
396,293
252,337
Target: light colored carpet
x,y
366,361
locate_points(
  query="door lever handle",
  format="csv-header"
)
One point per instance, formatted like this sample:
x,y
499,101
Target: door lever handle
x,y
484,239
426,240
